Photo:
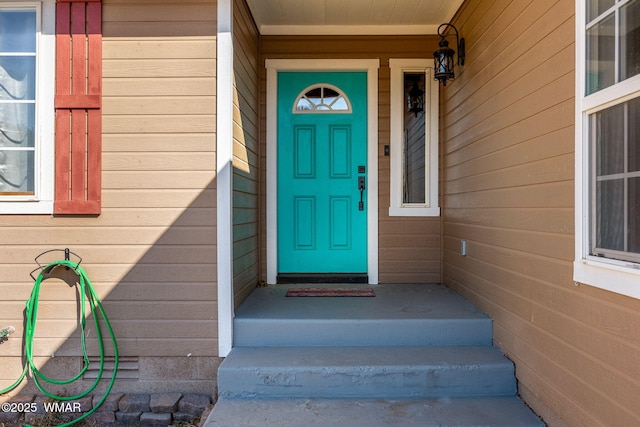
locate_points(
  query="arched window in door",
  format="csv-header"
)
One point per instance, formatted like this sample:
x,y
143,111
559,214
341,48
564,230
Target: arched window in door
x,y
322,98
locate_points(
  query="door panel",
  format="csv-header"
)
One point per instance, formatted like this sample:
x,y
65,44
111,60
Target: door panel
x,y
340,154
340,223
321,228
305,223
304,152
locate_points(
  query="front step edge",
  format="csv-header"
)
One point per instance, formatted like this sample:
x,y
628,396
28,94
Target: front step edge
x,y
461,412
345,372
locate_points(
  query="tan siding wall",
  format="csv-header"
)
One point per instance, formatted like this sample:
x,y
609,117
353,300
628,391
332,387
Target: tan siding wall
x,y
246,151
409,247
508,131
151,253
160,133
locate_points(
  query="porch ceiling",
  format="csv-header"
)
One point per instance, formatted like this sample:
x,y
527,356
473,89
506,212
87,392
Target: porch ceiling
x,y
351,17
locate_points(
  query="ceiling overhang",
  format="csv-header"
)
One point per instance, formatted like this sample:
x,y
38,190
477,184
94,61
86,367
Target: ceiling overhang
x,y
351,17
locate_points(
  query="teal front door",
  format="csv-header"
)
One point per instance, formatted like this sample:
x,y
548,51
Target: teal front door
x,y
322,168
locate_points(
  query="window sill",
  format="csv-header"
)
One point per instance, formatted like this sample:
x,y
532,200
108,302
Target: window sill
x,y
26,208
417,211
619,277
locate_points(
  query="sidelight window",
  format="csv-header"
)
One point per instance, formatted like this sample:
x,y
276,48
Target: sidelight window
x,y
414,139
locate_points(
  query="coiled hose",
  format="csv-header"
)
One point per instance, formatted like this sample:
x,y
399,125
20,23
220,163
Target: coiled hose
x,y
31,317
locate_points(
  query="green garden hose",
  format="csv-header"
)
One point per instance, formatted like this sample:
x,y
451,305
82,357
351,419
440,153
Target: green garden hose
x,y
31,314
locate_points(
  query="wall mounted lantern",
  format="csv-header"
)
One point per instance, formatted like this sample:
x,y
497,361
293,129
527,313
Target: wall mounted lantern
x,y
415,97
443,56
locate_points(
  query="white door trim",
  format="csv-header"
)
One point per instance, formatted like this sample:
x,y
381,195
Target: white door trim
x,y
370,66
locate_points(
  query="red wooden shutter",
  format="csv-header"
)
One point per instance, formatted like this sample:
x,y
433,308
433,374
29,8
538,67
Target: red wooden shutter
x,y
78,105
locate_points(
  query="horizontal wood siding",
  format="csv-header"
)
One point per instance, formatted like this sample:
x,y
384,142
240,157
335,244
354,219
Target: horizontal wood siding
x,y
159,125
410,248
151,253
508,132
246,157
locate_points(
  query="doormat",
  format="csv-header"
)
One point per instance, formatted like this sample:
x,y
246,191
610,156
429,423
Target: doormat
x,y
329,292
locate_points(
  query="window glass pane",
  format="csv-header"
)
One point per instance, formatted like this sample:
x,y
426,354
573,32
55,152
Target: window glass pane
x,y
17,78
304,105
595,8
601,46
414,139
608,132
330,93
630,40
17,125
339,104
633,123
610,214
314,95
616,209
17,31
17,172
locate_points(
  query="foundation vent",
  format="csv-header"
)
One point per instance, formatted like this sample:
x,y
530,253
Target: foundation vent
x,y
128,368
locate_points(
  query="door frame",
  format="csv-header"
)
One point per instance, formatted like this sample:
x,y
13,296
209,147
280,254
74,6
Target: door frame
x,y
370,66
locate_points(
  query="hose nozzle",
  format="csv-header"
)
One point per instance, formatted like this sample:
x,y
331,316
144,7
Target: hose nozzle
x,y
7,331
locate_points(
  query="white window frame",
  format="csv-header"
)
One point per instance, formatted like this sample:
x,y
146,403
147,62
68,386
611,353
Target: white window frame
x,y
41,202
622,277
398,68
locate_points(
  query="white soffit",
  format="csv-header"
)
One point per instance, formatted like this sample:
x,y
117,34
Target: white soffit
x,y
351,17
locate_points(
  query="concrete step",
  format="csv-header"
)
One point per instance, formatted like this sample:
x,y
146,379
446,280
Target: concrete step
x,y
461,412
363,332
365,372
399,315
413,355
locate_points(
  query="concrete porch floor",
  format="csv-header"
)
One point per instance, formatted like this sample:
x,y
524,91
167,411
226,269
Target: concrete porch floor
x,y
399,314
397,301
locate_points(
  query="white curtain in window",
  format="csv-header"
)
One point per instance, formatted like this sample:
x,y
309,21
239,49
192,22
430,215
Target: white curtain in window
x,y
16,152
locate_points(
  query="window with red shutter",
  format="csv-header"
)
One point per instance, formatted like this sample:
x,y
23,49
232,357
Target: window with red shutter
x,y
78,102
